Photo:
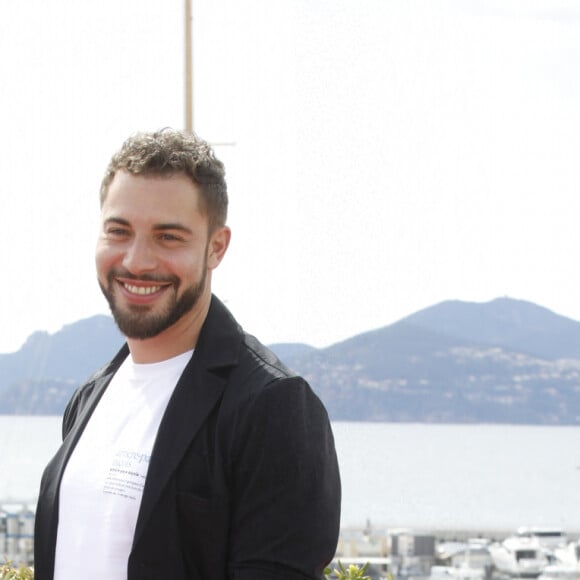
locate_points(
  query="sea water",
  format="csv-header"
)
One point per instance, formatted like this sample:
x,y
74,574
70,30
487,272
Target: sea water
x,y
427,476
488,477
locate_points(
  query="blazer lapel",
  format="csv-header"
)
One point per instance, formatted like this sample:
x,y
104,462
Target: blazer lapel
x,y
194,397
197,392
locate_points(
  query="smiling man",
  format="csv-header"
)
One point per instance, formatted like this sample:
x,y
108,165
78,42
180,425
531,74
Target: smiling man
x,y
195,453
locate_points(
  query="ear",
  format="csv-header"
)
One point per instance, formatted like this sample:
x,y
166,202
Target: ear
x,y
217,246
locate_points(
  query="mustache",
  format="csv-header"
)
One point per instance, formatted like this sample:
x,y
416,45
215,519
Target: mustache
x,y
142,277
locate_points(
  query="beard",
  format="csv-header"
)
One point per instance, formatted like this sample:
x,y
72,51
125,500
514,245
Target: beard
x,y
136,321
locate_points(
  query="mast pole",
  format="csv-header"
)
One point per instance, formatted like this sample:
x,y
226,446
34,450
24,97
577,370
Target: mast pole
x,y
188,77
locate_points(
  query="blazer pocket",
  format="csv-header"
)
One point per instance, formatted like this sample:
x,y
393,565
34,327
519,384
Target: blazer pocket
x,y
190,504
204,524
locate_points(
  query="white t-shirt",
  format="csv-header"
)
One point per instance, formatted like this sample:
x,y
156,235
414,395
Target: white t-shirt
x,y
103,482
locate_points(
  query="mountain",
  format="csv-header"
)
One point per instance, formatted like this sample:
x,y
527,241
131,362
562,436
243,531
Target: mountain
x,y
73,353
513,324
504,361
40,377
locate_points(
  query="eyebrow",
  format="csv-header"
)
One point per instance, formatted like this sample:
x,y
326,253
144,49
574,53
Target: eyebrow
x,y
158,227
116,220
173,226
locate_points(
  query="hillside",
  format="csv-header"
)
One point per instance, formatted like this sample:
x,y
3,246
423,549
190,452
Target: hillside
x,y
505,361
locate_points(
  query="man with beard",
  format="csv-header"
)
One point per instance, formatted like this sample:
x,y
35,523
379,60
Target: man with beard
x,y
195,453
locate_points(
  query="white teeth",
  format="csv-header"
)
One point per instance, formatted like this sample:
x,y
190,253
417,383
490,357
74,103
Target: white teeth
x,y
142,290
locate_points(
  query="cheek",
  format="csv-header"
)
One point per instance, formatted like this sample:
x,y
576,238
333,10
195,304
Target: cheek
x,y
105,258
188,264
187,272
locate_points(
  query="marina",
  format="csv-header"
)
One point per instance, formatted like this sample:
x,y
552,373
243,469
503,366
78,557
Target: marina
x,y
398,553
535,553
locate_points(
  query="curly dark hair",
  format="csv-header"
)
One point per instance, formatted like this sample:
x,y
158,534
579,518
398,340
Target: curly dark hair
x,y
169,152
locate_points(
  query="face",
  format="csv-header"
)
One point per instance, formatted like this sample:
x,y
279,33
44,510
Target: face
x,y
155,253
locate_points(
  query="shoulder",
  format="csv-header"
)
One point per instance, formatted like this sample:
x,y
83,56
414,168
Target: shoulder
x,y
225,348
260,360
261,374
261,385
89,390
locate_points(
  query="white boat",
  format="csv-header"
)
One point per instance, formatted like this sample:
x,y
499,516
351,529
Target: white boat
x,y
568,555
468,560
564,563
519,556
549,538
559,572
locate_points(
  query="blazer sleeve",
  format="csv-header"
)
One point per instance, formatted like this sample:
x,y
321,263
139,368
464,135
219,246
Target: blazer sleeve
x,y
285,488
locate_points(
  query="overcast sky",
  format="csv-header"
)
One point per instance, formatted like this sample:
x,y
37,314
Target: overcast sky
x,y
388,154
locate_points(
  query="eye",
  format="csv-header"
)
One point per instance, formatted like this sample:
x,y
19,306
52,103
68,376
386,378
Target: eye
x,y
117,232
169,237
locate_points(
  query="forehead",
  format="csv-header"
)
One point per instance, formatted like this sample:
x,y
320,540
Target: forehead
x,y
152,196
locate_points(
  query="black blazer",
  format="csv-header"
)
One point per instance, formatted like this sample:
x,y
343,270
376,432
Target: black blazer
x,y
243,482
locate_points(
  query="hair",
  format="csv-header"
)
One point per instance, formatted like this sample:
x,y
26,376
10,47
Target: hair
x,y
169,152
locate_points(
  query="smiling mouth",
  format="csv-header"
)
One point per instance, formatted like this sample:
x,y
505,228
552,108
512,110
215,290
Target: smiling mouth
x,y
142,290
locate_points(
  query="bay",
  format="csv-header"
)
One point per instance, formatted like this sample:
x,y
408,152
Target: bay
x,y
425,476
459,477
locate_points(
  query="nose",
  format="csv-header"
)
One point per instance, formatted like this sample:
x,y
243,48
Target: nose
x,y
139,256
